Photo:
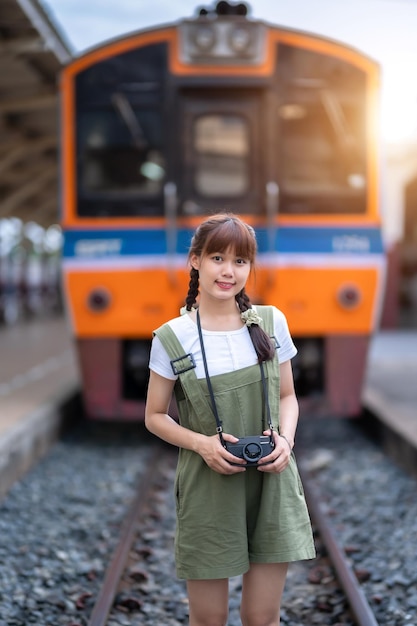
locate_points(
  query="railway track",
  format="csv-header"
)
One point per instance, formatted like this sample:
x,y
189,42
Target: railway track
x,y
351,586
117,566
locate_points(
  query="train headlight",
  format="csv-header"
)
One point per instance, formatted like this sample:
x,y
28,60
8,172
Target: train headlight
x,y
226,39
349,296
98,300
204,37
240,39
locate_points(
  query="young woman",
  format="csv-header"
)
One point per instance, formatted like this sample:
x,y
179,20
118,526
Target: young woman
x,y
229,365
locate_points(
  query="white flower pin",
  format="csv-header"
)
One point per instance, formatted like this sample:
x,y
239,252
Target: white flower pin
x,y
250,317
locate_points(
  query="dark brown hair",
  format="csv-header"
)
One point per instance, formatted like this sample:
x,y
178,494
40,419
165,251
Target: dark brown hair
x,y
216,234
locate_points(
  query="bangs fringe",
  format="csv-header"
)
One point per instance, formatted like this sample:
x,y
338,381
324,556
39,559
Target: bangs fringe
x,y
232,234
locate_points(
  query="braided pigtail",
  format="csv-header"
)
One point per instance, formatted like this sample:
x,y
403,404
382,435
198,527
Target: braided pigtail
x,y
262,343
243,301
191,298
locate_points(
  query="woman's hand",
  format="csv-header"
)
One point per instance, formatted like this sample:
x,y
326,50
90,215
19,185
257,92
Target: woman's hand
x,y
279,458
217,457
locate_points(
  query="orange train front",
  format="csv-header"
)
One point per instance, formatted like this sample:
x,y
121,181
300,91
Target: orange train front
x,y
221,112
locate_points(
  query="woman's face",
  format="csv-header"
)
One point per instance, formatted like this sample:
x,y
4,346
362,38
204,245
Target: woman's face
x,y
222,275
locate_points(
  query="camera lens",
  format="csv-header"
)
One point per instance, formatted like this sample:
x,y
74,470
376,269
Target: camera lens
x,y
252,451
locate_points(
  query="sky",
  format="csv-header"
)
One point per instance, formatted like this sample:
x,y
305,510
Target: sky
x,y
386,30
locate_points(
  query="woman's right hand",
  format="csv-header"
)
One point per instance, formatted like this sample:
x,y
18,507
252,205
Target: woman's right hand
x,y
217,457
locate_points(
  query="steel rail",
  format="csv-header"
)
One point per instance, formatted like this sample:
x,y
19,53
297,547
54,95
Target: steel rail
x,y
352,588
120,556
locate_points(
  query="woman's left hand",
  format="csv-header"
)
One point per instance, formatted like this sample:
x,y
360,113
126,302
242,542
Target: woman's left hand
x,y
279,458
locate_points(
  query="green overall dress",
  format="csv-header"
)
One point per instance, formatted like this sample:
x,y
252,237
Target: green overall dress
x,y
224,523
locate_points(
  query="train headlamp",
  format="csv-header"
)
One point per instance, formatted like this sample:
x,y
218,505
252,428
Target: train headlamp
x,y
204,37
240,39
349,296
98,300
231,40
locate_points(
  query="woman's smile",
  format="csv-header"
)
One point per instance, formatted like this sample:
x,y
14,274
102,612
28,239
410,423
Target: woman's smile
x,y
224,285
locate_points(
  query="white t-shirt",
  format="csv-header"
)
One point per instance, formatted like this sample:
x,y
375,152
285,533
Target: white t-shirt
x,y
226,351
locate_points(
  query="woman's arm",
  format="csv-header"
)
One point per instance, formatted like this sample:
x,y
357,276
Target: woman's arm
x,y
279,459
157,419
159,422
289,410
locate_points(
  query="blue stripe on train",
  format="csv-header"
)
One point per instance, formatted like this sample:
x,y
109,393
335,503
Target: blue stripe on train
x,y
287,239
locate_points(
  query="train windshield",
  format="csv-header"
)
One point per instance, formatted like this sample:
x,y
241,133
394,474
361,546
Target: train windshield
x,y
321,133
121,150
120,134
304,128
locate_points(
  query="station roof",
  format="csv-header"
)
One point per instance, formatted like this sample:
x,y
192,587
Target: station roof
x,y
32,52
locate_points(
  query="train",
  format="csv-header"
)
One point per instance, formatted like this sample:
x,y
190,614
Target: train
x,y
221,112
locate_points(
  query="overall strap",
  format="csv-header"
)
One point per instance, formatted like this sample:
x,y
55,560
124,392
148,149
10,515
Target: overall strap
x,y
267,323
183,365
267,315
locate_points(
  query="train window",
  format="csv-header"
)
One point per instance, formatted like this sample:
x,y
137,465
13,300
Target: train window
x,y
121,153
221,148
120,134
321,122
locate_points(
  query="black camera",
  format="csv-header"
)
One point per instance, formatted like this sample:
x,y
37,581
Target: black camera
x,y
252,449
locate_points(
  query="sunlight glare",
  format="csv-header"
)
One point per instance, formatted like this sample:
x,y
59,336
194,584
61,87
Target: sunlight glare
x,y
399,111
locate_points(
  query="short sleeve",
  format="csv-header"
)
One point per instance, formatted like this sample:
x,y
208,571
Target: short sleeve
x,y
159,361
287,349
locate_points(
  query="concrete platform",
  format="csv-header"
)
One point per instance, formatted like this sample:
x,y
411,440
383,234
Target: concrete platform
x,y
390,393
38,390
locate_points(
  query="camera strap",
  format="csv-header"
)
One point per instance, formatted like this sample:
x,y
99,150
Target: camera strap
x,y
219,428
